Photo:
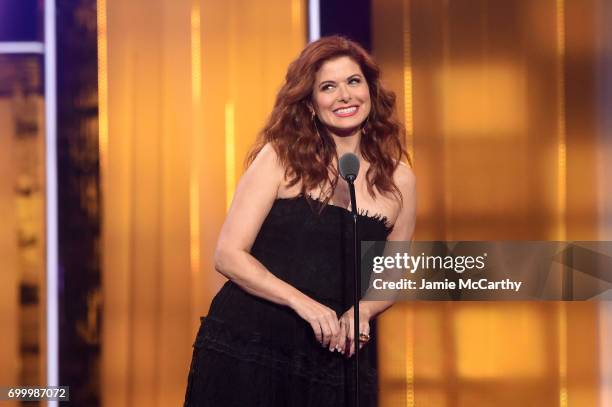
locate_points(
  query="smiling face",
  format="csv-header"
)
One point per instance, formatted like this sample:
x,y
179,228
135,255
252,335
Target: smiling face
x,y
341,97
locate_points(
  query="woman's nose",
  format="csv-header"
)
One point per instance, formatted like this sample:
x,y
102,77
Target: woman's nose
x,y
344,93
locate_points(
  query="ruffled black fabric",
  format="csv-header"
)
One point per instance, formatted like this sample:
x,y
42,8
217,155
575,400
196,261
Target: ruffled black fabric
x,y
251,352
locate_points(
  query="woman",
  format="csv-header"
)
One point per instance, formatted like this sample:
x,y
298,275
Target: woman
x,y
280,332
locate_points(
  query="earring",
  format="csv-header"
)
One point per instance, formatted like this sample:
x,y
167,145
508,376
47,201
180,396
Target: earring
x,y
314,123
365,124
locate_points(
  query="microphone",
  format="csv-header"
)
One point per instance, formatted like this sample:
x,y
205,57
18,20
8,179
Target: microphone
x,y
349,167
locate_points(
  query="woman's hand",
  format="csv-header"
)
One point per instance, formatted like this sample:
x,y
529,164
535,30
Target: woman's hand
x,y
347,325
322,319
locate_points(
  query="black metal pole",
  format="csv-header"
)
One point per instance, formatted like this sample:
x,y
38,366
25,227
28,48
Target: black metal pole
x,y
357,292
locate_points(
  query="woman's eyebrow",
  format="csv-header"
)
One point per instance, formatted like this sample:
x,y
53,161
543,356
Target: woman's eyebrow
x,y
334,82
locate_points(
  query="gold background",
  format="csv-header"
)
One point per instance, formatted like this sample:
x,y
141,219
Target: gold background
x,y
185,87
499,99
500,102
503,143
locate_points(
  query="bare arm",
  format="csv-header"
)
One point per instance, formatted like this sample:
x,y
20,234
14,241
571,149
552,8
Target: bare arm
x,y
402,230
252,201
255,195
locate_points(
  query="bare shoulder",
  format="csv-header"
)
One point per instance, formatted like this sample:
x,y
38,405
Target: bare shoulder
x,y
404,178
268,156
404,224
253,199
267,166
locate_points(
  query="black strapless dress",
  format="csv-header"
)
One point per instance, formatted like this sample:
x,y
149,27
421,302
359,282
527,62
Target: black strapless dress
x,y
252,352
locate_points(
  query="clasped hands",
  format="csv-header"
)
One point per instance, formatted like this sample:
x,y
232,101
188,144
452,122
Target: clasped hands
x,y
336,334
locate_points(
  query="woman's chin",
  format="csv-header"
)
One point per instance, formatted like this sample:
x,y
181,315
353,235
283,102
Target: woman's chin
x,y
345,131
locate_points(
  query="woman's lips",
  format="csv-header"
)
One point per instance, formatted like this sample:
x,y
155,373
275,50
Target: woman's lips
x,y
346,111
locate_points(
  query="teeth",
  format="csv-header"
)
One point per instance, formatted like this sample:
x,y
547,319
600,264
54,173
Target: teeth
x,y
346,110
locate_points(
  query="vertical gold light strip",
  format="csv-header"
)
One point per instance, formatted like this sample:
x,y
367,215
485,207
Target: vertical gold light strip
x,y
561,190
230,153
561,125
409,372
409,124
447,197
102,44
562,325
230,105
102,91
408,114
196,133
296,17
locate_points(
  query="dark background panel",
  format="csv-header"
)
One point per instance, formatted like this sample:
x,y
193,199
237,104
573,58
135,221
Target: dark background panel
x,y
21,20
348,18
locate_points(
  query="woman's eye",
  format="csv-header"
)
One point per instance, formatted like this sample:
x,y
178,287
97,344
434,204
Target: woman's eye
x,y
354,80
327,87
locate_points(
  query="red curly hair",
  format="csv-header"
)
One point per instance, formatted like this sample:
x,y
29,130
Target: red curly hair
x,y
307,154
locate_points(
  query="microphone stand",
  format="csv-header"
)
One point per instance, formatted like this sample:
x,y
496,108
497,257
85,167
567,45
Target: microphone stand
x,y
350,180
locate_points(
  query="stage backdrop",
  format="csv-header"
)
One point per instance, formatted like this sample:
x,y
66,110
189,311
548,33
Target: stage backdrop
x,y
505,105
184,88
506,127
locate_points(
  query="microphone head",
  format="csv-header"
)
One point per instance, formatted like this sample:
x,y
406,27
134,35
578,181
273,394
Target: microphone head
x,y
349,166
